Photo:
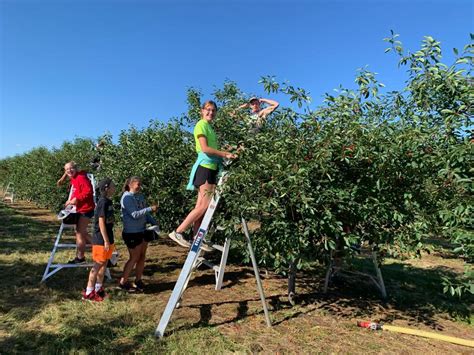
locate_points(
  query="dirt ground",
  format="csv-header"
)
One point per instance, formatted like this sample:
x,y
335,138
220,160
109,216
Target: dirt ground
x,y
318,322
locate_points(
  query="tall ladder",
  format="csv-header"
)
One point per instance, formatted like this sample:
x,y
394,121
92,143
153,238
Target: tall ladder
x,y
52,268
193,260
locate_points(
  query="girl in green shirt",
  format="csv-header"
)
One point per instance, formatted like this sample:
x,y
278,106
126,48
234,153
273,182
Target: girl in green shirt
x,y
204,173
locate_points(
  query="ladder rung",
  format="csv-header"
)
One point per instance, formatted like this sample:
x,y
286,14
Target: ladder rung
x,y
218,247
67,245
69,226
63,245
53,266
210,265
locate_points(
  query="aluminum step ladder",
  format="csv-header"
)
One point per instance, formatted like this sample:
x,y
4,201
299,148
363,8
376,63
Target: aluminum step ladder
x,y
9,193
219,270
52,268
194,260
336,267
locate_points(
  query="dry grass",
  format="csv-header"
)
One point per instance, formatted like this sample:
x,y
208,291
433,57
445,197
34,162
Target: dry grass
x,y
51,317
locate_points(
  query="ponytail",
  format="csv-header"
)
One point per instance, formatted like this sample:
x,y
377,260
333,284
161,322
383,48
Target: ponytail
x,y
126,185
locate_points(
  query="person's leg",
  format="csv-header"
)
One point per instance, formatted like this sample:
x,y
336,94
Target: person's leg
x,y
93,275
89,292
82,236
141,261
204,198
134,255
101,273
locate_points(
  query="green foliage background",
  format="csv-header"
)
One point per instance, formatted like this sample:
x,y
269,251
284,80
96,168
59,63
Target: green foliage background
x,y
390,170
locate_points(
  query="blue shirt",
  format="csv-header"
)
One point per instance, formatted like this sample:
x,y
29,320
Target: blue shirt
x,y
135,213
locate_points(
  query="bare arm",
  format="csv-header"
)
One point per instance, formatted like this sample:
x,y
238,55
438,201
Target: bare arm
x,y
61,180
211,151
103,231
268,110
233,113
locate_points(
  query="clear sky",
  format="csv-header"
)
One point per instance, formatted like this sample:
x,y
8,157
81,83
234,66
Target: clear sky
x,y
77,68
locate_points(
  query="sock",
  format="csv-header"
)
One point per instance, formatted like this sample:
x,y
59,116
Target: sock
x,y
98,286
89,290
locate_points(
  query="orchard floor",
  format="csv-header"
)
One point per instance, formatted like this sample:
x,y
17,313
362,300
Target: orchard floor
x,y
52,318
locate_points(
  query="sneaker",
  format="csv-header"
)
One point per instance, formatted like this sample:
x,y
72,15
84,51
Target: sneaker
x,y
77,260
93,296
140,285
101,293
128,287
206,247
178,238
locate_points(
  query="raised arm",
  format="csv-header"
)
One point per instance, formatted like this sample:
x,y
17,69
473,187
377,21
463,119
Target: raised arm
x,y
233,113
61,180
272,106
245,105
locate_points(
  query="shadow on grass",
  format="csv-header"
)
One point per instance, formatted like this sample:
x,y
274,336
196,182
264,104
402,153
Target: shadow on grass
x,y
80,337
24,234
414,294
205,311
22,295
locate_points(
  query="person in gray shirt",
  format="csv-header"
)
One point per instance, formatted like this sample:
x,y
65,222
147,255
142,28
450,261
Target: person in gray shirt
x,y
135,215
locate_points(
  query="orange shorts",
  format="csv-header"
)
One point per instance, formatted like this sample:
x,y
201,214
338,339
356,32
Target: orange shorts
x,y
99,255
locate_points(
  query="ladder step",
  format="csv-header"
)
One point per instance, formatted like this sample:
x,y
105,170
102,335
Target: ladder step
x,y
54,266
218,247
68,226
67,245
64,245
209,264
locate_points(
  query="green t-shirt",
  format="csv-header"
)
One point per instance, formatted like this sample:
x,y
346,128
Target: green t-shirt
x,y
203,128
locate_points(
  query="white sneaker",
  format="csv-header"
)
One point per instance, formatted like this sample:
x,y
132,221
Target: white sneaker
x,y
178,238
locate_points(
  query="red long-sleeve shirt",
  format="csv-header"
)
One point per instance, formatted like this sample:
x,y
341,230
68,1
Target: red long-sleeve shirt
x,y
82,191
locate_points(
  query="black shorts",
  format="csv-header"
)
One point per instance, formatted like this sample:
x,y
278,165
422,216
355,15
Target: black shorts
x,y
132,240
204,174
73,218
89,214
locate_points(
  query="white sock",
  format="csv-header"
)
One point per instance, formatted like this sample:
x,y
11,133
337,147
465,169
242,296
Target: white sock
x,y
97,287
89,290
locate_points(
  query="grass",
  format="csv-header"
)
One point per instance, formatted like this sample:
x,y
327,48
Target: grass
x,y
51,317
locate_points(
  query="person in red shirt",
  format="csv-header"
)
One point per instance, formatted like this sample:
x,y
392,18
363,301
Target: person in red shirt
x,y
82,197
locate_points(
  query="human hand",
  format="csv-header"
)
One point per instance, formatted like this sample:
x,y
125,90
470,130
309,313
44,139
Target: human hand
x,y
106,246
71,202
230,156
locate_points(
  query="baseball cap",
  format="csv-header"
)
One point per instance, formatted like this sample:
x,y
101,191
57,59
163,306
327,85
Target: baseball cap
x,y
253,98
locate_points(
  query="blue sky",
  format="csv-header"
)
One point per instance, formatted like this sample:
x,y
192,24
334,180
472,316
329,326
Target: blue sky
x,y
82,68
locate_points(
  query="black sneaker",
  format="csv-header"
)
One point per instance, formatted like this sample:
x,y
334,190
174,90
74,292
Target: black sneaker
x,y
140,285
77,260
128,287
